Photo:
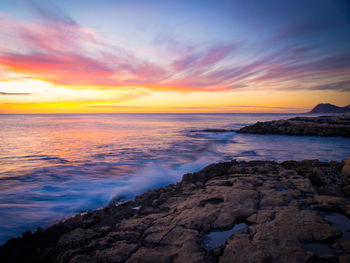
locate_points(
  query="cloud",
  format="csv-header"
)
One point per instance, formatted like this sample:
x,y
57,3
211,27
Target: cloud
x,y
306,70
339,86
51,13
207,58
59,50
66,69
309,26
266,107
177,108
14,93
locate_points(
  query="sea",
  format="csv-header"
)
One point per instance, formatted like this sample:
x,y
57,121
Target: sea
x,y
53,166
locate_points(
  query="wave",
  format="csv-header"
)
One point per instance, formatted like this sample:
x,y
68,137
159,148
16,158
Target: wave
x,y
214,130
54,193
36,158
156,175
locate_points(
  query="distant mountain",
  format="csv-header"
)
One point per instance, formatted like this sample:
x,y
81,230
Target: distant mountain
x,y
330,108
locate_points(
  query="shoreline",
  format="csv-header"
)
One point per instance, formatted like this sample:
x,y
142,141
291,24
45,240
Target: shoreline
x,y
333,126
262,198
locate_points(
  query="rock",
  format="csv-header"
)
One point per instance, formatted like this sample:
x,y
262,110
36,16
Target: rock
x,y
346,168
277,236
119,252
346,190
81,259
283,207
330,108
303,126
77,237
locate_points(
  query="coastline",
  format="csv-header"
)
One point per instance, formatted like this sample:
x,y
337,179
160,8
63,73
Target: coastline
x,y
280,208
333,126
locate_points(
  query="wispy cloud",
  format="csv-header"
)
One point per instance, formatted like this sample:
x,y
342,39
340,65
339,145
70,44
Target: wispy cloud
x,y
69,69
14,93
339,86
227,108
50,13
265,107
59,50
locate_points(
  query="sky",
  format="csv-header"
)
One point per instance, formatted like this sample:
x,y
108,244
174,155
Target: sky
x,y
88,56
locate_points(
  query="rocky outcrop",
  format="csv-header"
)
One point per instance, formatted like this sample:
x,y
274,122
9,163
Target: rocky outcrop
x,y
286,212
303,126
330,108
346,168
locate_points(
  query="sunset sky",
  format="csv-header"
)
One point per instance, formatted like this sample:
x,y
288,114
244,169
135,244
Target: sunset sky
x,y
173,56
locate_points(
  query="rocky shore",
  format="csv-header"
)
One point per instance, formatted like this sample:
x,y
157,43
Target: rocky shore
x,y
257,211
338,126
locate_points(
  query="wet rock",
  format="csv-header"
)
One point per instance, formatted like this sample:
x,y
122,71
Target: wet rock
x,y
215,240
303,126
117,253
77,237
346,190
277,236
288,211
82,259
132,236
346,167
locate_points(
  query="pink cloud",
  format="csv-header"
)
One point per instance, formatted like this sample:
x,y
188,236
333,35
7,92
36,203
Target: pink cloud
x,y
63,52
70,69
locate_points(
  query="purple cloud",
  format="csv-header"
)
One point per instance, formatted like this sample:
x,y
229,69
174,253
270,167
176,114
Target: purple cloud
x,y
51,13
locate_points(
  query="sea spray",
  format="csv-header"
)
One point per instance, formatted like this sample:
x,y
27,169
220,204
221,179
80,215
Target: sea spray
x,y
155,176
45,198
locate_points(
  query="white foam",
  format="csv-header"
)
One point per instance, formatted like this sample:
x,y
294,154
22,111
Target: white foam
x,y
155,176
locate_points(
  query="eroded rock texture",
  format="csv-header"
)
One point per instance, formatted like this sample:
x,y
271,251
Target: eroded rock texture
x,y
294,212
338,126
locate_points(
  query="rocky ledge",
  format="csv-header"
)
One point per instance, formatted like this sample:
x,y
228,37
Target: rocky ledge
x,y
303,126
257,211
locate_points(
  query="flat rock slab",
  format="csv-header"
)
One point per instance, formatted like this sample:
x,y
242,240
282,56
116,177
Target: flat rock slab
x,y
335,126
276,212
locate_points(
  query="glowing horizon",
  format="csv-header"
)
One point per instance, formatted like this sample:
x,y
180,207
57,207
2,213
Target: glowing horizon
x,y
163,56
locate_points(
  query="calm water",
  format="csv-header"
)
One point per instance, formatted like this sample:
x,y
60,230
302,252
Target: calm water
x,y
53,166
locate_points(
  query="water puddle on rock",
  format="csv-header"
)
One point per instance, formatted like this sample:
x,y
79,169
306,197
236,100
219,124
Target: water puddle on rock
x,y
212,201
218,238
280,189
339,221
318,249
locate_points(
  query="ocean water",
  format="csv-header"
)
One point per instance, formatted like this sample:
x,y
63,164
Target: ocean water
x,y
54,166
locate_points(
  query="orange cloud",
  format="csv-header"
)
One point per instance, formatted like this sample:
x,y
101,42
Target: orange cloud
x,y
68,69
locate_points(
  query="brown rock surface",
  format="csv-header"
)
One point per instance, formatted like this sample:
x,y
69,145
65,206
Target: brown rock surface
x,y
346,168
287,209
338,126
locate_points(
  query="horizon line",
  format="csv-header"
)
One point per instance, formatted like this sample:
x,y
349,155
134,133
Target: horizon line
x,y
81,113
